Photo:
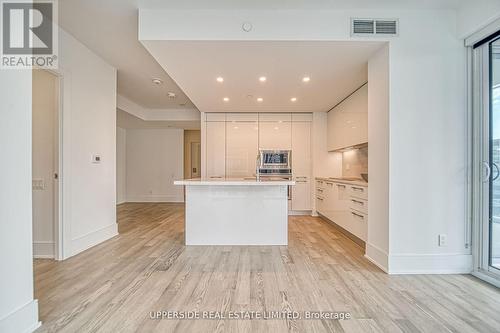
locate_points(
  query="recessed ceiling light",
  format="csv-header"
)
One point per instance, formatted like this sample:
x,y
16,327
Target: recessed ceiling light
x,y
157,81
262,79
226,99
171,95
260,99
220,79
306,79
293,99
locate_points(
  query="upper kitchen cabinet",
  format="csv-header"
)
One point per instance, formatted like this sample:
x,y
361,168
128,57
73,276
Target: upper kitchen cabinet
x,y
216,146
275,131
242,135
348,121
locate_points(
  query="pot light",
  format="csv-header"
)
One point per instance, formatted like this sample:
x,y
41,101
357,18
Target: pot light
x,y
171,95
293,99
260,99
220,79
157,81
306,79
226,99
262,79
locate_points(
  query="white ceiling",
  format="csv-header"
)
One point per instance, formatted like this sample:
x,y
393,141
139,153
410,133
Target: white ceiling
x,y
301,4
109,28
335,68
126,120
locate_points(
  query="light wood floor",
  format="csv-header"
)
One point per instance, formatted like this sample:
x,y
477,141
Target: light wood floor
x,y
114,286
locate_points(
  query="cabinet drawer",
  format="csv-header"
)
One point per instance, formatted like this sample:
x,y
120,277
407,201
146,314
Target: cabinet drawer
x,y
358,192
320,191
358,205
359,224
320,204
320,183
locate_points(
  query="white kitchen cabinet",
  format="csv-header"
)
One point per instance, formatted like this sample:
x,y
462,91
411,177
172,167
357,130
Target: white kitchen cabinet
x,y
301,165
216,149
348,121
340,206
241,148
275,135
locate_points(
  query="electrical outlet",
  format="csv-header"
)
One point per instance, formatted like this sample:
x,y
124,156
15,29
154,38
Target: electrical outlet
x,y
442,239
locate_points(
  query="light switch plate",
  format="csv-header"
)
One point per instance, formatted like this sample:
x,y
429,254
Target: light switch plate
x,y
96,159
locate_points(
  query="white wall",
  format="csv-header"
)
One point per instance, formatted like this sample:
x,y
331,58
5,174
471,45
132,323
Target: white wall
x,y
89,127
474,15
377,246
155,158
427,114
121,165
44,125
18,310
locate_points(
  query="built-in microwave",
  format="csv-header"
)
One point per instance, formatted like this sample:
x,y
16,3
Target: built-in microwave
x,y
275,161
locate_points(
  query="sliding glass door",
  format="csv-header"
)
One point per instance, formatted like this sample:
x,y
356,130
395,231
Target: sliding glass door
x,y
486,159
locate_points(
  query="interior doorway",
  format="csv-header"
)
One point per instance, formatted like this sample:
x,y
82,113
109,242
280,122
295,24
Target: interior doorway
x,y
192,154
45,164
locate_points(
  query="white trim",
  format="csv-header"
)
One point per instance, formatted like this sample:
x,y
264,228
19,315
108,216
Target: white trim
x,y
155,198
23,320
43,250
82,243
430,264
487,278
377,256
299,213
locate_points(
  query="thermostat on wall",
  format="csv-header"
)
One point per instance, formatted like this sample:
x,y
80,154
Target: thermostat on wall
x,y
96,159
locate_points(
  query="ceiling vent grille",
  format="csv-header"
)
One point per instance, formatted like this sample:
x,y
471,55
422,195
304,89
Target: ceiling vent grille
x,y
374,27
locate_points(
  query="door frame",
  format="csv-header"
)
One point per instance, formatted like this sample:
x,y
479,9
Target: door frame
x,y
479,155
58,190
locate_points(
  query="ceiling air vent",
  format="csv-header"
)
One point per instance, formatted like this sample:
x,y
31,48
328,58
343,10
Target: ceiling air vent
x,y
374,27
363,26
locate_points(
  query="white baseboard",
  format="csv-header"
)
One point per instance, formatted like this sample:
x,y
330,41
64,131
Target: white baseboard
x,y
299,213
155,198
43,250
91,239
22,320
377,256
430,264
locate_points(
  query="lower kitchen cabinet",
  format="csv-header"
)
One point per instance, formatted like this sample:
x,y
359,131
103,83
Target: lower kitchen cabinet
x,y
344,204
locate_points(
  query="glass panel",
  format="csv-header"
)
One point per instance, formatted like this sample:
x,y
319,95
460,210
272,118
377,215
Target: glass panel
x,y
494,259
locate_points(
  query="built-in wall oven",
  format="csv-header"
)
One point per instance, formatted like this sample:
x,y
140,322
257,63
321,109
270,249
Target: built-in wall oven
x,y
274,165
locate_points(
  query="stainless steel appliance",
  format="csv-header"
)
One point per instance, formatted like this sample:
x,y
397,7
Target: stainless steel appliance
x,y
274,162
274,165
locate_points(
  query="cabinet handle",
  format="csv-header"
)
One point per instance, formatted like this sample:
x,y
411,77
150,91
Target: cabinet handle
x,y
358,202
319,190
340,185
320,199
358,189
358,215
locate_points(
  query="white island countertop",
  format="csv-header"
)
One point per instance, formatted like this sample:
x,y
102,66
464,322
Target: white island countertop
x,y
232,182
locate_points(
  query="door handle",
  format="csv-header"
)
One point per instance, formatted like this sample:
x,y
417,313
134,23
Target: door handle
x,y
488,171
497,170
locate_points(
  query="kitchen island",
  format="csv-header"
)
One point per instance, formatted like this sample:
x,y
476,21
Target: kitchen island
x,y
236,211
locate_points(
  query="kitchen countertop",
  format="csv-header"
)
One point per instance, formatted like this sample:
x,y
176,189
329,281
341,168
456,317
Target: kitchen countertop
x,y
359,182
232,182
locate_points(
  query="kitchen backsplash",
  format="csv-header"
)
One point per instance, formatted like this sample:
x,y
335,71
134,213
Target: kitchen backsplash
x,y
355,162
